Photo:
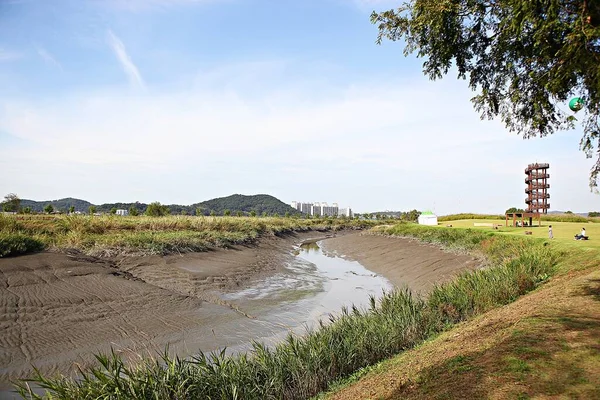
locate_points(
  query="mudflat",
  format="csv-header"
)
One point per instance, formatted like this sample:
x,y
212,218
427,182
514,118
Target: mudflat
x,y
57,310
404,262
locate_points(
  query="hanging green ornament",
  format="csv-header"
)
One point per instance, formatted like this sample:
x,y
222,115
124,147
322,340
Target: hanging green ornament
x,y
576,104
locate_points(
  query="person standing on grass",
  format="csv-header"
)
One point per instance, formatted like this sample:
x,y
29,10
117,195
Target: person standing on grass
x,y
550,234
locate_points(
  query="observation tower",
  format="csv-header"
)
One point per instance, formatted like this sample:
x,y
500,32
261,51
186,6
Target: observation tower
x,y
537,195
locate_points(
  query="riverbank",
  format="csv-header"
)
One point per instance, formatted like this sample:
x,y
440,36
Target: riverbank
x,y
302,365
111,236
544,345
59,309
404,262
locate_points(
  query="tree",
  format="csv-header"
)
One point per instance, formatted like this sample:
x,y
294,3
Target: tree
x,y
27,210
514,210
524,58
213,213
113,210
594,214
71,209
156,209
253,213
287,214
227,213
239,213
133,211
12,203
49,209
568,212
264,214
92,210
199,211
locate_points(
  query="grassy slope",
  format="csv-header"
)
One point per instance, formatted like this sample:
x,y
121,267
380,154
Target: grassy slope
x,y
113,235
544,345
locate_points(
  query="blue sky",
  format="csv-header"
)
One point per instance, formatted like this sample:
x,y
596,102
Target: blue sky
x,y
179,101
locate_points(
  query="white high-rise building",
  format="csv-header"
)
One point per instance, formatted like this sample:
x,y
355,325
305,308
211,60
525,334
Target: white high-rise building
x,y
320,209
346,212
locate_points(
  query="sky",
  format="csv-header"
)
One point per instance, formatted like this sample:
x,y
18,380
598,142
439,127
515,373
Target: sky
x,y
181,101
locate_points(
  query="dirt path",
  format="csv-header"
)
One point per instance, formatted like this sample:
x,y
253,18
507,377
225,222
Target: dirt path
x,y
404,262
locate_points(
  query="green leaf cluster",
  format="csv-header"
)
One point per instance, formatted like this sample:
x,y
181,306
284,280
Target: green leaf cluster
x,y
524,58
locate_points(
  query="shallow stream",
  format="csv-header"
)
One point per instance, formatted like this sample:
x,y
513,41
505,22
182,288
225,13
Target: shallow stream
x,y
313,285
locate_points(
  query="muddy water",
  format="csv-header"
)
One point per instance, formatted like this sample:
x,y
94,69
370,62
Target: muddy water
x,y
314,285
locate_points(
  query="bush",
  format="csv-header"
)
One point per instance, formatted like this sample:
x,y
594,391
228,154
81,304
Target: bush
x,y
157,210
15,244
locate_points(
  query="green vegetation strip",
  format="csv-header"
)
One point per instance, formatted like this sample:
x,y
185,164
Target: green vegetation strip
x,y
303,366
566,217
114,235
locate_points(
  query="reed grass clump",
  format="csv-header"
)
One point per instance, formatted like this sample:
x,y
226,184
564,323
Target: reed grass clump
x,y
143,235
302,366
12,244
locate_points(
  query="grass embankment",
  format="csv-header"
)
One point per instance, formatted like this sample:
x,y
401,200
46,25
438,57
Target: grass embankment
x,y
544,345
545,217
563,231
302,366
113,235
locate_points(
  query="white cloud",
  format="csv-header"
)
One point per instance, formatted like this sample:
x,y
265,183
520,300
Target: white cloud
x,y
6,55
376,144
48,58
124,59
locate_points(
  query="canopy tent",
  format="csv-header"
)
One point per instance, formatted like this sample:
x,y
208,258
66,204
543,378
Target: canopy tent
x,y
428,218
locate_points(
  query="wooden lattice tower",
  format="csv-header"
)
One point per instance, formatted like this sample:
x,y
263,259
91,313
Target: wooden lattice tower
x,y
537,188
537,196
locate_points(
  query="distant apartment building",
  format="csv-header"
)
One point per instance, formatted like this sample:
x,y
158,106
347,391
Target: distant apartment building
x,y
346,212
123,213
321,209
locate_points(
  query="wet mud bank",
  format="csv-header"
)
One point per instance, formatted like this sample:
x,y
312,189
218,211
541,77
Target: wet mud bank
x,y
57,310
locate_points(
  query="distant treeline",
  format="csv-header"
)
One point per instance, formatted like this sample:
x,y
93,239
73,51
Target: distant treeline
x,y
261,204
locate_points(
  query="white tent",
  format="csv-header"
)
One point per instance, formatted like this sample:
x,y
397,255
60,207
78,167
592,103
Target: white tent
x,y
428,218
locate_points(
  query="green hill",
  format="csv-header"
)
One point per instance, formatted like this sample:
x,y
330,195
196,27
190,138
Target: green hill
x,y
259,203
59,205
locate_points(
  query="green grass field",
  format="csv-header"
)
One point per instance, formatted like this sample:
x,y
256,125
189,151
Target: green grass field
x,y
563,231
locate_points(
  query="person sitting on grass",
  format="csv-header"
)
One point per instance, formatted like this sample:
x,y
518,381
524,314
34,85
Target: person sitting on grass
x,y
582,235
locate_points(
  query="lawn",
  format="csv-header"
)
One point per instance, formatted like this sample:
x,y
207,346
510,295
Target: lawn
x,y
563,231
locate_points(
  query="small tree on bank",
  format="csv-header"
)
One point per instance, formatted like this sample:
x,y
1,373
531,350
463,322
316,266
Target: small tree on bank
x,y
49,209
157,210
92,210
227,213
133,211
12,203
